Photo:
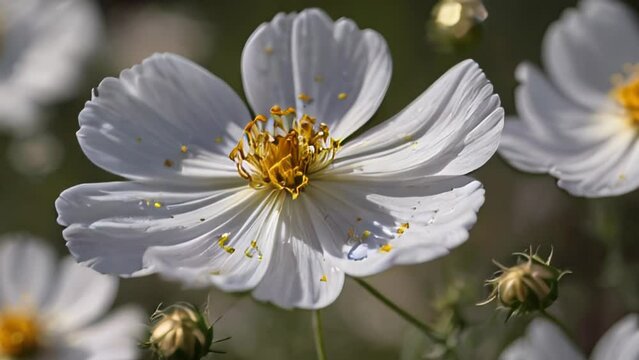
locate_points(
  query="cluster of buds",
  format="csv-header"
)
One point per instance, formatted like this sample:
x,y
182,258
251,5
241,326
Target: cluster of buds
x,y
179,332
531,285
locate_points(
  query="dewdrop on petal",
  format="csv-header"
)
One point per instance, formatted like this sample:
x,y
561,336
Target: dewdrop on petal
x,y
531,285
179,332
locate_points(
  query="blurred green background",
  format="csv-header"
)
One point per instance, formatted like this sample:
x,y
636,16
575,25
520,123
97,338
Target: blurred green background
x,y
596,239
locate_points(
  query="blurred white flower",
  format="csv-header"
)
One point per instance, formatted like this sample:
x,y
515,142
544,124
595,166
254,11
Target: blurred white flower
x,y
545,341
43,44
296,206
581,123
51,312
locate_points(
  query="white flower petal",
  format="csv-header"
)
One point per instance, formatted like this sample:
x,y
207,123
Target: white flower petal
x,y
451,129
114,338
240,262
112,225
603,168
620,342
298,275
587,46
344,70
420,220
554,118
26,270
542,341
79,297
267,68
136,125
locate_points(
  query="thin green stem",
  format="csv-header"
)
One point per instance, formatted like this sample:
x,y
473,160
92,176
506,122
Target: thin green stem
x,y
427,330
318,335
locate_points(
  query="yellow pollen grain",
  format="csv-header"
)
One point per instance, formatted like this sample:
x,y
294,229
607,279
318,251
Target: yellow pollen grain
x,y
342,96
157,204
184,149
304,97
402,228
366,234
268,50
385,248
408,138
168,163
323,278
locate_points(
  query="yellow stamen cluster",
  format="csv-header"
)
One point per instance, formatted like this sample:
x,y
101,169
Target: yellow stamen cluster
x,y
628,96
282,151
19,335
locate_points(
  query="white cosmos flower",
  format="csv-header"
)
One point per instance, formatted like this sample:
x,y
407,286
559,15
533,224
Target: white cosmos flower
x,y
43,44
545,341
581,122
50,312
298,206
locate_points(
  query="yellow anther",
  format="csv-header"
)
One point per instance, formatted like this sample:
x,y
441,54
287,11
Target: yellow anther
x,y
402,228
385,248
342,96
365,235
222,240
184,149
253,249
304,97
323,278
157,204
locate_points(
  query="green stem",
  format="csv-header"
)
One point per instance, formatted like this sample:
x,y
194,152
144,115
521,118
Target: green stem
x,y
427,330
318,335
552,318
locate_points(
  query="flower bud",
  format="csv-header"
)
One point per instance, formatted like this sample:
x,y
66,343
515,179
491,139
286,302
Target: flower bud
x,y
531,285
179,332
453,21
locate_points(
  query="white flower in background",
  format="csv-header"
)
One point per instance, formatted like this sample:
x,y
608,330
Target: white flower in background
x,y
51,312
43,44
581,122
297,205
545,341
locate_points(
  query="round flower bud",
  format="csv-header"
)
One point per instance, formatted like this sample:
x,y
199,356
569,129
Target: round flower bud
x,y
454,21
531,285
179,332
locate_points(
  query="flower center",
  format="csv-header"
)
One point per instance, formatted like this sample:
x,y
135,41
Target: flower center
x,y
626,92
19,334
282,151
